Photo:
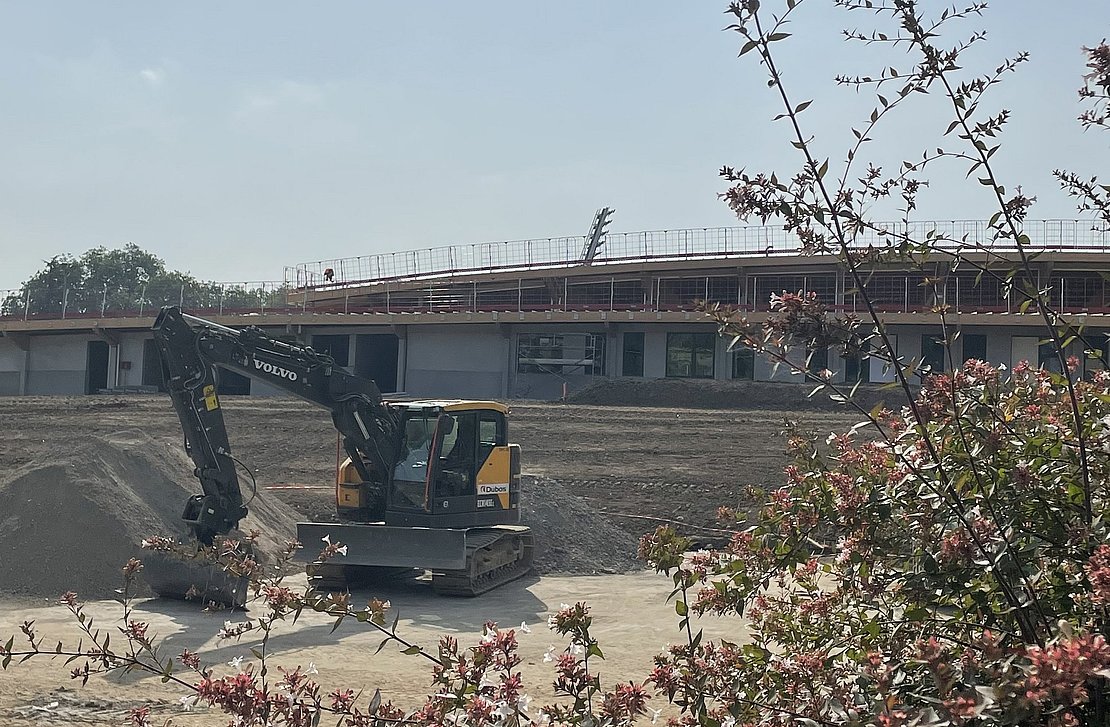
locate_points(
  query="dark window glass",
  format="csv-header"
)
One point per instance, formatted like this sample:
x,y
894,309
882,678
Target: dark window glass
x,y
857,368
817,360
690,355
561,353
975,346
743,364
932,353
338,347
632,358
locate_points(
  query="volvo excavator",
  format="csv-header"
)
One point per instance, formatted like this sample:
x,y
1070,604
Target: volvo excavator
x,y
432,485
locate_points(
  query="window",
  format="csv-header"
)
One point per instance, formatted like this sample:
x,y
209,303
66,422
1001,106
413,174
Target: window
x,y
690,355
491,433
410,473
743,364
932,353
857,368
338,347
817,360
561,353
458,437
975,346
632,355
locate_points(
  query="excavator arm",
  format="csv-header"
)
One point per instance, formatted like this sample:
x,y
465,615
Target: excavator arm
x,y
192,349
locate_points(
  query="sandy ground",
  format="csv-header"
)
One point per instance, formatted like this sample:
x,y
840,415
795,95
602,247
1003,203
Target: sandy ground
x,y
632,620
660,462
677,464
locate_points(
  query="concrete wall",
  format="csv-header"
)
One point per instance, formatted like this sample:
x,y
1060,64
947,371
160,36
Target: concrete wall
x,y
479,360
452,361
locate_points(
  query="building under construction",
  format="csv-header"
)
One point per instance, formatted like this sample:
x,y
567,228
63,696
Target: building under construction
x,y
533,319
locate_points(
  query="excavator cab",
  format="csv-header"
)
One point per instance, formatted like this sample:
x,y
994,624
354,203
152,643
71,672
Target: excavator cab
x,y
456,468
450,504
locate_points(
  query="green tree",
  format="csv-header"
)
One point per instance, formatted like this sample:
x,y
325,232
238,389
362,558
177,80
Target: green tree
x,y
126,280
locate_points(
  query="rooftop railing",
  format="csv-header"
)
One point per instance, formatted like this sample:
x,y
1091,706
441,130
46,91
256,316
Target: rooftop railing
x,y
65,301
630,247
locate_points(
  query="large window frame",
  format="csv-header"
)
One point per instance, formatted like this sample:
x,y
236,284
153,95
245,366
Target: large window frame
x,y
691,355
564,354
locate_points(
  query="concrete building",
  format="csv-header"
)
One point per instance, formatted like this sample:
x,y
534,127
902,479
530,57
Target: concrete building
x,y
532,319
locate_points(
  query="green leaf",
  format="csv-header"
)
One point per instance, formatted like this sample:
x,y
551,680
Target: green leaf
x,y
802,106
773,37
680,608
414,649
750,45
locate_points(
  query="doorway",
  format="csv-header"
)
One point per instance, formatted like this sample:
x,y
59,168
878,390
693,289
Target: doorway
x,y
376,358
96,367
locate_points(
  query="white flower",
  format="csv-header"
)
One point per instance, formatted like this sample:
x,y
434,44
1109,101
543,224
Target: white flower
x,y
188,701
522,702
728,722
549,655
489,637
326,539
654,714
312,668
236,663
524,627
504,711
564,606
577,649
342,550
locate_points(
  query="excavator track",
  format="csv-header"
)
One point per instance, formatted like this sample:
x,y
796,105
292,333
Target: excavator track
x,y
494,557
332,578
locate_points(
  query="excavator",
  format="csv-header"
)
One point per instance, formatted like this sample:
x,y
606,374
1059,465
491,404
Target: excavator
x,y
431,485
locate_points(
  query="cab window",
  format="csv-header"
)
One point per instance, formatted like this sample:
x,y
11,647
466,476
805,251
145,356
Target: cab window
x,y
410,474
457,454
491,433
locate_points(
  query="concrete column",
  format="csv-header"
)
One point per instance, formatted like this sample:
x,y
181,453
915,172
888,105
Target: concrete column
x,y
25,369
113,365
509,371
402,357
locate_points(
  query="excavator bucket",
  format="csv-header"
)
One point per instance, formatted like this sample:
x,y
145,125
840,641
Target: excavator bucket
x,y
181,577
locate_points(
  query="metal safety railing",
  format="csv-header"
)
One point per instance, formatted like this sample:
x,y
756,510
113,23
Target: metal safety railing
x,y
64,300
625,247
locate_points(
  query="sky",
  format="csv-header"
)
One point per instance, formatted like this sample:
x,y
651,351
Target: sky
x,y
233,139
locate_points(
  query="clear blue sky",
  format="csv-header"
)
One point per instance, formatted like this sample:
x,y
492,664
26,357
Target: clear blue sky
x,y
235,138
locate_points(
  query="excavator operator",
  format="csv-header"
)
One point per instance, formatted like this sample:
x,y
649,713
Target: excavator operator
x,y
457,473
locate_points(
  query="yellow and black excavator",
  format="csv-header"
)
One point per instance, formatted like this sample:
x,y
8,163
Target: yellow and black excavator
x,y
431,485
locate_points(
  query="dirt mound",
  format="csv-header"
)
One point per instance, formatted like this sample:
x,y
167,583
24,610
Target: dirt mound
x,y
571,536
71,521
710,394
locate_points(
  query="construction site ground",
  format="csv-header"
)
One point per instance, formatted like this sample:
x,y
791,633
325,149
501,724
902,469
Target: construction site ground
x,y
606,475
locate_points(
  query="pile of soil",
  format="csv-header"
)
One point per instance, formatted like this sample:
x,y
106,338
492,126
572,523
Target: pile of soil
x,y
712,394
69,521
571,536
